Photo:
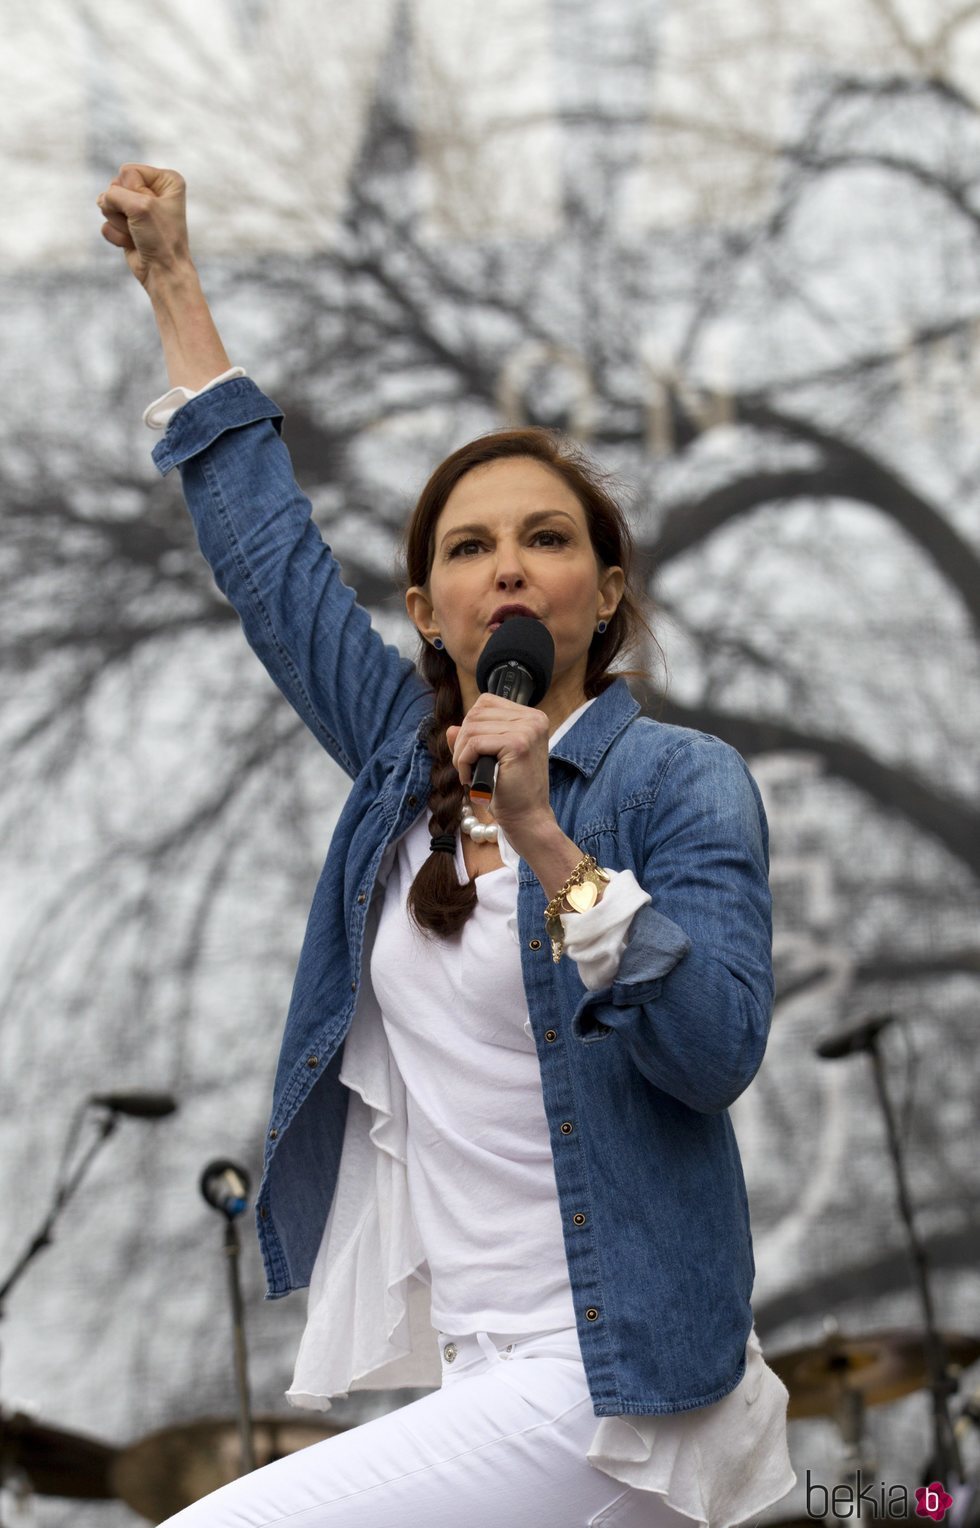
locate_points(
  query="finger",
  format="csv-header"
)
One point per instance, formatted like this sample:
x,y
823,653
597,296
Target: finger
x,y
150,177
132,204
114,219
134,175
113,236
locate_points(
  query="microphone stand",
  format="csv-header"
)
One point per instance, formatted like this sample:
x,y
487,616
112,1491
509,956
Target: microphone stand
x,y
232,1252
42,1238
224,1186
942,1384
62,1196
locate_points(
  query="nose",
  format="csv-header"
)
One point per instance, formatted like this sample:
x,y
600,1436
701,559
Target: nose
x,y
512,577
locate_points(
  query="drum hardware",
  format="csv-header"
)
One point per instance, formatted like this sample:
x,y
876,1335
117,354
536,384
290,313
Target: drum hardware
x,y
842,1375
875,1368
55,1462
965,1511
27,1450
855,1038
168,1470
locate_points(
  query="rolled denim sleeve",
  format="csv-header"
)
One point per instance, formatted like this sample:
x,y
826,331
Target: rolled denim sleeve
x,y
693,996
254,526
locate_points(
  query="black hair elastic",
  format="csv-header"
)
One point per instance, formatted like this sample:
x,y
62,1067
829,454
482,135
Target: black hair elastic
x,y
444,841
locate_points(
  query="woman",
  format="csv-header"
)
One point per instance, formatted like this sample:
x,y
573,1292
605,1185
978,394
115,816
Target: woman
x,y
500,1153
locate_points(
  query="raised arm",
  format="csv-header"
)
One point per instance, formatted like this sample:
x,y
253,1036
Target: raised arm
x,y
252,520
146,216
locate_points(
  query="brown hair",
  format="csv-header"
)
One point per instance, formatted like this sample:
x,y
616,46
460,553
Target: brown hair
x,y
437,902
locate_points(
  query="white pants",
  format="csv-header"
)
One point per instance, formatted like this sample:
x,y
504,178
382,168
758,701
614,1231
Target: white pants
x,y
501,1445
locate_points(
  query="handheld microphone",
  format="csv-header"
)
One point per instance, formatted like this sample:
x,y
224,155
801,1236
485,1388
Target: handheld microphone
x,y
854,1037
517,663
225,1186
139,1105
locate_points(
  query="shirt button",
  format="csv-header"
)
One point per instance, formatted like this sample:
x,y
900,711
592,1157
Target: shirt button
x,y
312,1061
450,1352
353,986
567,1127
551,1034
273,1134
413,800
579,1219
361,897
592,1314
264,1211
534,944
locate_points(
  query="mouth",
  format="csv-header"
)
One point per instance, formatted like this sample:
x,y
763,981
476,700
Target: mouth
x,y
506,611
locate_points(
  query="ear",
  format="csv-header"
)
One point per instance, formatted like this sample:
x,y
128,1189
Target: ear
x,y
612,584
419,608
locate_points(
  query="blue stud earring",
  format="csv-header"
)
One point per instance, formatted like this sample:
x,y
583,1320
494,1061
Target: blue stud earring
x,y
438,643
602,626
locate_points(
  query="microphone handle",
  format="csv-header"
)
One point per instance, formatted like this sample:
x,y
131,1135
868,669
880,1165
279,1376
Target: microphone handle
x,y
484,778
513,681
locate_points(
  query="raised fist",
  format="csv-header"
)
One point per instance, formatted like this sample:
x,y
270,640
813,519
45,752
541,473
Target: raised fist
x,y
146,217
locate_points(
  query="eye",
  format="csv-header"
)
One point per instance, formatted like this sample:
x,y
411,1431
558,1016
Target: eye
x,y
558,536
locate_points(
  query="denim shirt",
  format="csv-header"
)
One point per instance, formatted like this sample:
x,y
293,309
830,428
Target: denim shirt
x,y
638,1077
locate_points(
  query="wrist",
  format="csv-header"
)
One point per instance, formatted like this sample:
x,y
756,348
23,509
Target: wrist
x,y
176,281
583,888
551,854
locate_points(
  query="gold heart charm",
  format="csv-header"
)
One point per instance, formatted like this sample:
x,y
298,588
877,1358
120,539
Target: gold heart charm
x,y
582,897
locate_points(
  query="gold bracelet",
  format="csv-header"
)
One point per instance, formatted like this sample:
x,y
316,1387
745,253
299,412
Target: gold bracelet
x,y
582,889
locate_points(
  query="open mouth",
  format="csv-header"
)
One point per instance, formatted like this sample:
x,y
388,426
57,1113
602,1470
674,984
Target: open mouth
x,y
509,616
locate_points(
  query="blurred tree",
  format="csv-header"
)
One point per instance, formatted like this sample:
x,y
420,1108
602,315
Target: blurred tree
x,y
735,250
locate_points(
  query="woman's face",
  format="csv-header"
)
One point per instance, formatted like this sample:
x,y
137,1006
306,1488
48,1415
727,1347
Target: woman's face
x,y
546,563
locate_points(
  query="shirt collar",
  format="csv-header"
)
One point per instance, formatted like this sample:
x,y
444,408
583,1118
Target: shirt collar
x,y
583,738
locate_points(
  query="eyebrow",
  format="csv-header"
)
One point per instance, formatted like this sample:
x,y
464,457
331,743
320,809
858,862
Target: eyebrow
x,y
532,519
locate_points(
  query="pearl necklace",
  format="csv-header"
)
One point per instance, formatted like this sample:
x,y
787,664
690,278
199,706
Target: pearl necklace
x,y
479,832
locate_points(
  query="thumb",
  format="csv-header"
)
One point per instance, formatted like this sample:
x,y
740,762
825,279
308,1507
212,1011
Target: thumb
x,y
131,179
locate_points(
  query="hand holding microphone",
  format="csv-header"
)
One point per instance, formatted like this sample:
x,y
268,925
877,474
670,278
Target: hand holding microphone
x,y
501,749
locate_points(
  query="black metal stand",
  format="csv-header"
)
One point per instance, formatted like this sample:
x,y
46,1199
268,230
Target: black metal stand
x,y
232,1251
42,1238
941,1384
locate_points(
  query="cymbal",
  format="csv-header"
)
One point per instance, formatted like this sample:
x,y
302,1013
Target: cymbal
x,y
168,1470
56,1462
882,1366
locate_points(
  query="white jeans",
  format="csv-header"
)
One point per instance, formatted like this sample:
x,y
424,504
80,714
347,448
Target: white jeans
x,y
501,1445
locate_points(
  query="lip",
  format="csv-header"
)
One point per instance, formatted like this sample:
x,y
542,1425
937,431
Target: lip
x,y
503,611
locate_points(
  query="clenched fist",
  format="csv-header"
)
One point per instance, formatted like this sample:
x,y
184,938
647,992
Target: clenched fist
x,y
146,217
